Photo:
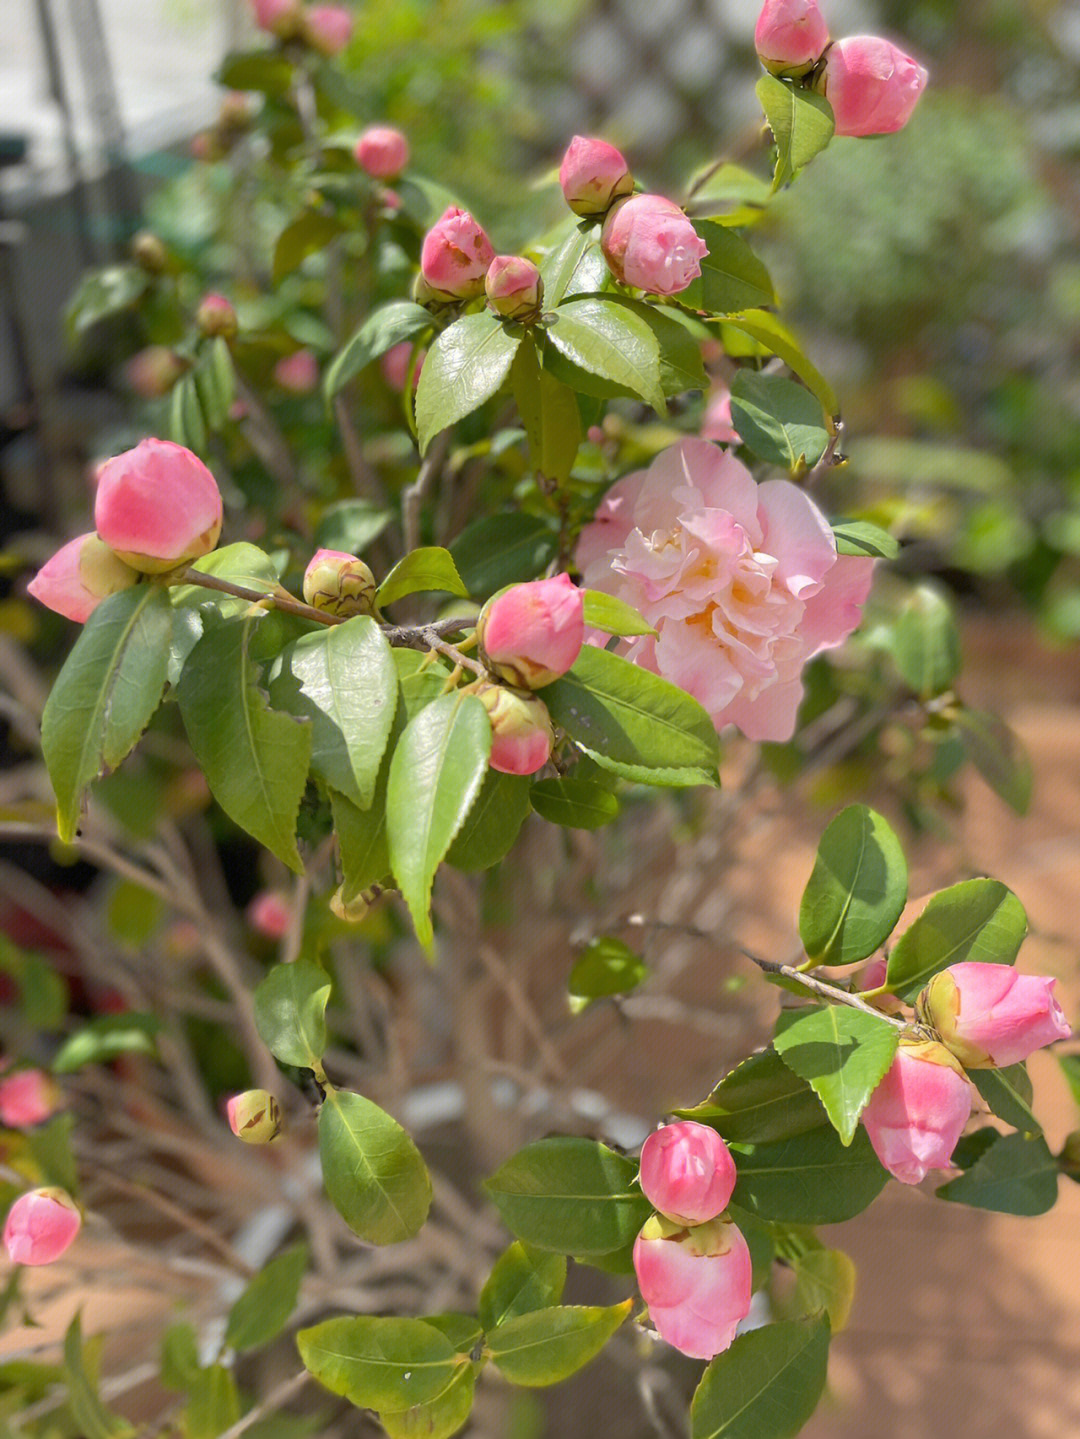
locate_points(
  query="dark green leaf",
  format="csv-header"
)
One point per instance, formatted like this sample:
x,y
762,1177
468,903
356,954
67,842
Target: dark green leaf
x,y
732,277
1007,1093
606,966
384,1364
493,822
926,643
290,1012
105,1038
613,616
575,803
779,420
978,920
465,366
843,1055
857,890
351,525
264,1308
304,236
425,569
550,415
384,328
760,1101
997,754
764,327
102,293
860,537
521,1281
373,1172
766,1386
268,71
802,124
94,1421
365,853
187,423
548,1345
213,1404
681,365
500,550
811,1179
606,339
1016,1174
215,381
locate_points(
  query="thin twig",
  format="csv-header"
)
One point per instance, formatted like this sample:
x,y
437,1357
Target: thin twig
x,y
414,495
820,988
277,597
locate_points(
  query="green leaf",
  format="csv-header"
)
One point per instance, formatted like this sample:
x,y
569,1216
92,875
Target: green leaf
x,y
373,1172
263,1310
365,853
439,1418
384,328
503,549
521,1281
633,722
606,966
102,293
94,1421
215,381
766,1386
213,1404
825,1280
105,1038
179,1356
268,71
997,754
255,759
43,994
732,277
811,1179
681,365
187,423
428,568
779,420
606,339
760,1101
1016,1174
575,803
1070,1068
548,1345
926,643
857,890
435,776
304,236
105,695
613,616
559,265
802,124
351,525
860,537
842,1053
466,365
384,1364
1007,1093
978,920
342,679
574,1196
290,1012
50,1147
764,327
550,415
493,822
242,564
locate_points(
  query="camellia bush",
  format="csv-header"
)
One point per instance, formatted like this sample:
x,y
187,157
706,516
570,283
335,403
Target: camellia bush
x,y
584,549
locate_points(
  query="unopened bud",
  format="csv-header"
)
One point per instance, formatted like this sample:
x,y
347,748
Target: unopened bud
x,y
254,1116
327,28
514,288
79,576
989,1016
382,152
340,584
455,256
40,1225
593,175
28,1097
791,36
149,253
521,733
216,316
532,633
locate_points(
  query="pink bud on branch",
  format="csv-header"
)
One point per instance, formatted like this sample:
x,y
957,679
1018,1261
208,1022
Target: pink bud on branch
x,y
871,85
216,316
514,288
531,634
79,576
989,1016
40,1225
791,36
918,1111
340,584
254,1116
521,733
593,175
157,506
455,256
27,1097
382,152
687,1172
327,28
648,242
697,1283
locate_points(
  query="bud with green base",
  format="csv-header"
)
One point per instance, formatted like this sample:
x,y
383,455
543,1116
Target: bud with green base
x,y
989,1016
79,576
696,1281
532,633
254,1116
340,584
514,288
521,732
216,316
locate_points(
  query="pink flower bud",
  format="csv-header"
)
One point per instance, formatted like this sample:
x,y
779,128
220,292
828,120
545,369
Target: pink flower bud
x,y
696,1282
28,1097
455,256
153,371
254,1116
716,421
157,506
531,634
790,36
327,28
270,912
78,578
871,85
298,373
382,152
918,1111
648,242
396,363
593,175
40,1225
216,316
687,1172
990,1016
514,287
521,733
278,17
340,584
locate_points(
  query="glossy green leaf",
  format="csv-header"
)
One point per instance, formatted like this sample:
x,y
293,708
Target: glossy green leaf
x,y
1007,1093
856,891
105,695
365,850
105,1038
779,420
373,1172
522,1280
493,822
503,549
215,381
343,681
423,570
575,803
384,328
978,920
573,1196
634,722
187,423
860,537
926,643
998,755
766,1386
613,616
102,293
439,1418
811,1179
255,759
801,121
465,366
1016,1174
550,416
681,365
383,1364
606,966
560,264
304,236
767,330
94,1421
608,340
732,277
825,1280
548,1345
843,1055
290,1012
759,1102
463,1330
243,564
264,1308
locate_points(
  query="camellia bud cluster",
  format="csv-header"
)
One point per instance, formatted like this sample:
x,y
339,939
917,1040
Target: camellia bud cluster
x,y
325,28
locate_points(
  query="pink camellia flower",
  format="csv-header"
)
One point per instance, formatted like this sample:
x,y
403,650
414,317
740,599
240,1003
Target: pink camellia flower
x,y
531,634
157,506
339,583
990,1016
79,576
593,175
298,373
871,85
741,581
395,365
27,1097
918,1111
270,912
278,17
521,733
514,287
696,1282
648,242
455,256
327,28
382,152
716,421
40,1225
790,36
687,1172
254,1116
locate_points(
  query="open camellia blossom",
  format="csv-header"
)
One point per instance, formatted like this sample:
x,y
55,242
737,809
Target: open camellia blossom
x,y
918,1111
697,1283
741,581
40,1225
990,1016
687,1172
